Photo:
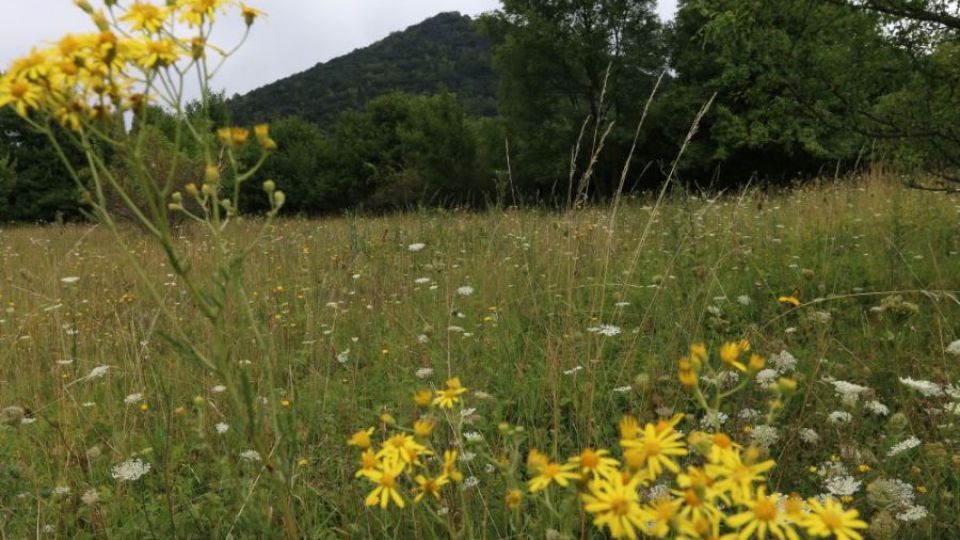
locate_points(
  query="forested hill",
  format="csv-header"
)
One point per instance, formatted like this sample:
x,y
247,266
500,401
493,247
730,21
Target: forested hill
x,y
444,51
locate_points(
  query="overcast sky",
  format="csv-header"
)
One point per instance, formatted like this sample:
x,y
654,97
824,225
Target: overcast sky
x,y
296,35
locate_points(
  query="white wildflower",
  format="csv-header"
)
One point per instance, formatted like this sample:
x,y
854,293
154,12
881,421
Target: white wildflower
x,y
809,436
218,389
848,392
766,377
98,372
765,436
416,246
69,280
343,357
222,428
744,300
467,456
784,361
250,455
470,481
573,370
713,420
913,512
953,348
61,490
473,436
877,408
903,446
133,399
90,497
927,388
622,389
749,414
424,373
131,470
840,486
839,417
423,339
466,290
422,280
607,330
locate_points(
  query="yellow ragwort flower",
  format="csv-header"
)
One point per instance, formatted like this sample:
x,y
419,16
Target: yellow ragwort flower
x,y
829,518
446,398
144,16
656,448
423,398
513,498
615,504
385,477
730,354
762,517
552,473
361,439
595,463
429,486
423,428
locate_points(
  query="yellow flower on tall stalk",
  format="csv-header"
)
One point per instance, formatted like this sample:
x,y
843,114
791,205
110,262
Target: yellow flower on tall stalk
x,y
448,397
595,463
736,476
615,504
423,398
552,473
829,518
157,53
450,466
657,446
404,449
144,16
385,477
730,354
662,517
23,95
513,498
197,12
423,428
629,427
429,486
763,516
368,462
361,439
250,14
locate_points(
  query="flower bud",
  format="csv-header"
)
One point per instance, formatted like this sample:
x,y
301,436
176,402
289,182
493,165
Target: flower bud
x,y
191,190
279,198
211,174
269,186
177,197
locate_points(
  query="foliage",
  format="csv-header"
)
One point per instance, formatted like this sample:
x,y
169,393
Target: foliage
x,y
442,52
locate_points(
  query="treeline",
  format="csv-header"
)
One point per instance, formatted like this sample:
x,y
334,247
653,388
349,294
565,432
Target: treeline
x,y
796,88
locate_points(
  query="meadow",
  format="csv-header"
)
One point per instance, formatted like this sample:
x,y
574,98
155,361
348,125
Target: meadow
x,y
558,324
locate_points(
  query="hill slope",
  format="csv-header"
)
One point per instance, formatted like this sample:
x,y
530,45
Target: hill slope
x,y
444,51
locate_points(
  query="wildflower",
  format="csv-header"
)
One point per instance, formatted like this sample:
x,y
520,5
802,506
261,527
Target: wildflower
x,y
450,466
953,348
903,446
20,93
424,373
250,14
730,354
90,497
222,428
573,371
839,417
615,504
404,449
784,361
763,516
472,436
466,290
262,133
877,408
133,398
445,399
385,478
471,481
423,398
629,427
429,486
233,137
809,436
829,518
607,330
789,300
757,363
69,280
513,498
552,473
734,474
423,428
662,516
913,513
595,463
842,486
764,436
144,16
250,455
361,439
131,470
848,392
926,388
416,247
657,446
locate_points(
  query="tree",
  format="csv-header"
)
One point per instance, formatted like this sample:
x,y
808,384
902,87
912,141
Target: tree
x,y
797,82
34,185
562,62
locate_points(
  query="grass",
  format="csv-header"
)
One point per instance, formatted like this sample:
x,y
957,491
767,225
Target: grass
x,y
350,325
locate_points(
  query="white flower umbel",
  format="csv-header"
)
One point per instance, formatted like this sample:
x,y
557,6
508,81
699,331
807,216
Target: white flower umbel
x,y
842,486
466,290
133,399
927,388
131,470
250,455
607,330
903,446
877,408
953,348
839,417
416,247
848,392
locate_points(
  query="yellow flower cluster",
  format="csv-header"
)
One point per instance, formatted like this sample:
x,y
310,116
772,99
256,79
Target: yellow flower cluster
x,y
91,75
400,456
719,494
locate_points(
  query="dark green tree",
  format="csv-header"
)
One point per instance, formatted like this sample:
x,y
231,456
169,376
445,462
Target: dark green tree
x,y
563,62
